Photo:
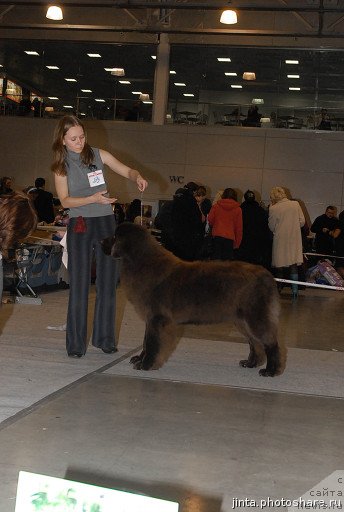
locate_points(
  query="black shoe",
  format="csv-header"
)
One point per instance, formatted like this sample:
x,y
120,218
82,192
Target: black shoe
x,y
75,354
110,350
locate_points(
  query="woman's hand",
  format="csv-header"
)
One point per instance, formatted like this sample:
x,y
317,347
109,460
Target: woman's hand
x,y
102,198
141,183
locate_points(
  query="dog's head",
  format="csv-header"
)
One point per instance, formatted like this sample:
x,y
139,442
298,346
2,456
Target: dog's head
x,y
126,241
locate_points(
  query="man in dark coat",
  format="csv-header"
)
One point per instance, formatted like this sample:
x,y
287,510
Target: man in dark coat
x,y
44,202
256,241
187,225
325,227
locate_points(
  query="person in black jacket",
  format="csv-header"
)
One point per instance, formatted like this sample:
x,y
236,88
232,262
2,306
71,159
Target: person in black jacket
x,y
187,225
44,202
326,228
256,241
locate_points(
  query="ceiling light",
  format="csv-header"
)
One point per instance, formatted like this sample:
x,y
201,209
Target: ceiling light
x,y
191,95
67,106
117,72
52,67
148,102
124,82
94,55
70,79
172,72
144,97
229,17
54,13
153,57
231,74
236,86
86,90
249,75
294,88
179,84
224,59
1,66
99,100
257,101
293,76
291,61
53,97
30,52
136,92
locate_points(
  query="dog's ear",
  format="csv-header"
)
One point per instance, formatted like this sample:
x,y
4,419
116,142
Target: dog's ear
x,y
107,245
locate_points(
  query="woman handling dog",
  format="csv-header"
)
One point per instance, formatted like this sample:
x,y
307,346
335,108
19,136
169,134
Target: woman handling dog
x,y
81,187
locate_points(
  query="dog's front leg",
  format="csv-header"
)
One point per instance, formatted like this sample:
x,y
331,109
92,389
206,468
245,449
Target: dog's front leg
x,y
159,342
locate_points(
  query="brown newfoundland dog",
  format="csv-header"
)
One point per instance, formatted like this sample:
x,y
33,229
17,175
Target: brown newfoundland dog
x,y
167,291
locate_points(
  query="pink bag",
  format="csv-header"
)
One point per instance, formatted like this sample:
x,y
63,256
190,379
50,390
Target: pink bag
x,y
330,274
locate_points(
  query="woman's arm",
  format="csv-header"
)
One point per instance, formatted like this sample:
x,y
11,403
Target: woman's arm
x,y
61,186
123,170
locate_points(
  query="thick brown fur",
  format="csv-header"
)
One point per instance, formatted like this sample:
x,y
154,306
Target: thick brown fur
x,y
167,291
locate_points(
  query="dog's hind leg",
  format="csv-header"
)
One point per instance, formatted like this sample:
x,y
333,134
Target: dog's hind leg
x,y
257,355
159,343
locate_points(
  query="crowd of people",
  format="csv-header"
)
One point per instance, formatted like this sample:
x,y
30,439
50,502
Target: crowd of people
x,y
275,236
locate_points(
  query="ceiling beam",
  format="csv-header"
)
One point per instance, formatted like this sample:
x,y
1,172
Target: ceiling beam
x,y
158,29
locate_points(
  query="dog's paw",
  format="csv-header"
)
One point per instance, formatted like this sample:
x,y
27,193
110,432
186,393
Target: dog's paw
x,y
245,363
135,359
266,373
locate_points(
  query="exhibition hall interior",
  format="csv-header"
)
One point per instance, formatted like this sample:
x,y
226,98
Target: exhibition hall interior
x,y
245,95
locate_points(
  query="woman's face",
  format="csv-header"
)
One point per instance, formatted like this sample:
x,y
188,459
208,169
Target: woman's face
x,y
74,139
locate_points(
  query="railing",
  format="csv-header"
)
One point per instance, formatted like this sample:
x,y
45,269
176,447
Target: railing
x,y
184,113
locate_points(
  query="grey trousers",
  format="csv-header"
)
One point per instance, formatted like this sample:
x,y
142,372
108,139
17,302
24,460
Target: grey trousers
x,y
81,248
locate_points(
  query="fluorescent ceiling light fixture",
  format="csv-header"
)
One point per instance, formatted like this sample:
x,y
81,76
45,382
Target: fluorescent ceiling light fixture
x,y
231,74
191,95
124,82
86,90
144,97
153,57
257,101
249,75
31,52
147,102
52,67
293,76
294,88
99,100
224,59
54,12
236,86
229,17
82,114
1,66
117,72
172,72
67,106
291,61
136,92
53,97
94,55
70,79
179,84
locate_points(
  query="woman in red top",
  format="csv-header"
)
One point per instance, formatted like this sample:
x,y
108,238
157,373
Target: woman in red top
x,y
225,219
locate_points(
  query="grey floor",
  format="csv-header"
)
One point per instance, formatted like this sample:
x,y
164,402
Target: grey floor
x,y
200,445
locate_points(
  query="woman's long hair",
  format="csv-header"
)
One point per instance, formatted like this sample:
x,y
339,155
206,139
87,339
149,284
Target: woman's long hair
x,y
59,165
17,219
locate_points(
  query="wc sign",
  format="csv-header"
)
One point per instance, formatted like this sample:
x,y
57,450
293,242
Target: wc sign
x,y
177,179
